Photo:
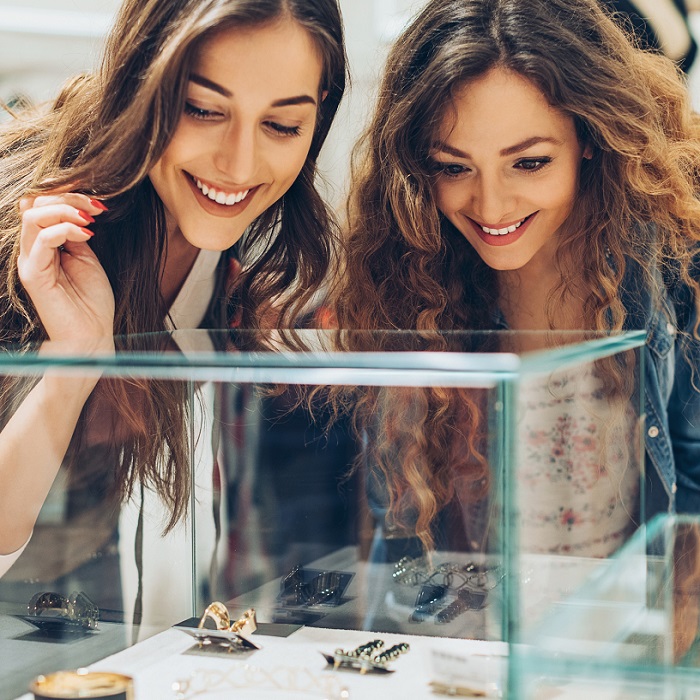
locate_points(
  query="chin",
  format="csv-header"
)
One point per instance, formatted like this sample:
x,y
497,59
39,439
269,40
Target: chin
x,y
504,266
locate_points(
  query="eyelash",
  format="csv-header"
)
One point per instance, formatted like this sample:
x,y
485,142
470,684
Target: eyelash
x,y
443,169
207,115
538,162
198,113
282,130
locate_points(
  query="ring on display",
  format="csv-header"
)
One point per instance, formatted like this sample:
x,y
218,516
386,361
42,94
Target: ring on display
x,y
218,612
77,609
227,634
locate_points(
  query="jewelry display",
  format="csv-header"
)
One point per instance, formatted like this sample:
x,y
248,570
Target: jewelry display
x,y
227,634
471,583
53,612
244,676
465,600
366,658
411,571
309,587
82,683
427,602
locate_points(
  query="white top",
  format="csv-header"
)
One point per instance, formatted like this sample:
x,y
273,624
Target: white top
x,y
578,475
187,311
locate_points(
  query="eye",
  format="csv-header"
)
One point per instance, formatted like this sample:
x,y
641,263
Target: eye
x,y
199,113
451,170
282,130
532,164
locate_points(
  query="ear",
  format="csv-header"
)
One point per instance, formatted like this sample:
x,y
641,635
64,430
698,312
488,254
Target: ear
x,y
587,152
324,94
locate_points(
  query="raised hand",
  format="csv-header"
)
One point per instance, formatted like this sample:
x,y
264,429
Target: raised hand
x,y
62,275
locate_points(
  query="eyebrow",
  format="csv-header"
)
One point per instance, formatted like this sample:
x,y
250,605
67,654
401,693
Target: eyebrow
x,y
511,150
284,102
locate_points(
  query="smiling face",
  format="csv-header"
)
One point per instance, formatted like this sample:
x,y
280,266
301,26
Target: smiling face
x,y
245,133
506,169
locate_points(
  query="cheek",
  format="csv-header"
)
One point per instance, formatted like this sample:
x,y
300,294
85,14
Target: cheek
x,y
451,197
289,164
564,195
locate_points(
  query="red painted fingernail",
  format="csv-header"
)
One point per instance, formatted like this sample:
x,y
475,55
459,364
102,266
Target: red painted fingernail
x,y
96,203
88,231
86,216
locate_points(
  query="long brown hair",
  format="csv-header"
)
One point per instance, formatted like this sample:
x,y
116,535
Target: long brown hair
x,y
102,136
407,266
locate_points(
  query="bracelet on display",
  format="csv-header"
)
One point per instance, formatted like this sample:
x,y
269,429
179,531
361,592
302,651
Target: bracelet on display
x,y
366,658
49,610
410,571
69,685
470,581
227,634
287,680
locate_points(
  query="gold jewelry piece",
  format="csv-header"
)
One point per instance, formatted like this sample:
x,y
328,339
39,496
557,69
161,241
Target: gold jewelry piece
x,y
246,623
65,685
227,634
217,612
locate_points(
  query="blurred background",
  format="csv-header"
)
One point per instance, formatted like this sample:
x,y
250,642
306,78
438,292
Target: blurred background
x,y
43,42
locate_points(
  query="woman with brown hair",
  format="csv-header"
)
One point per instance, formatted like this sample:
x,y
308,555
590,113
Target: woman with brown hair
x,y
173,188
528,168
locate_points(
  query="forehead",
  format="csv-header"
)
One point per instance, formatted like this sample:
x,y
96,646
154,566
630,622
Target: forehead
x,y
281,56
502,107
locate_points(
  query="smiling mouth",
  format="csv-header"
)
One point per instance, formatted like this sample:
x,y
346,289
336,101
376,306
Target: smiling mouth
x,y
505,230
221,196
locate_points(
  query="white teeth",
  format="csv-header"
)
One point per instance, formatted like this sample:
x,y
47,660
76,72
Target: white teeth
x,y
221,197
502,231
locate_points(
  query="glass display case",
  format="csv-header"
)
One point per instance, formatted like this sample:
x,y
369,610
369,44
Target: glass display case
x,y
630,630
439,492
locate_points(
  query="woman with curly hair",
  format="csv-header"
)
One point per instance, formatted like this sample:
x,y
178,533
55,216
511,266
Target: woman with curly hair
x,y
172,189
528,168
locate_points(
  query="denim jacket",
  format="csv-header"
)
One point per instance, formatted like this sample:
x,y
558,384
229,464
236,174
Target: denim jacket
x,y
671,360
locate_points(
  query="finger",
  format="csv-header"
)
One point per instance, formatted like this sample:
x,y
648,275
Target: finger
x,y
25,203
37,219
33,264
74,199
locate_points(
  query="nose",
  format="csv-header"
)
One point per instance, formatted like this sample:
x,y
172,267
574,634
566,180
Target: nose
x,y
237,156
492,201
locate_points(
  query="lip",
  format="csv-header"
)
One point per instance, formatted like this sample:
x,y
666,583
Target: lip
x,y
216,209
506,238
